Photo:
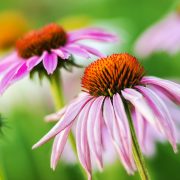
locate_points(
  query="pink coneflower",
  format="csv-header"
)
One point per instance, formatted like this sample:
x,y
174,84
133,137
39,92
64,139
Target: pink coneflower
x,y
164,36
114,88
48,48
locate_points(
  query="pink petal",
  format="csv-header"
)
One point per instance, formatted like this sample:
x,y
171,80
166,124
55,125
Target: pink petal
x,y
34,61
108,113
9,57
91,50
55,116
70,115
147,134
91,33
75,50
164,119
170,88
9,61
82,115
141,130
139,102
172,107
58,115
94,130
7,79
58,146
110,121
109,154
99,135
81,139
50,62
62,54
85,145
91,30
92,37
23,71
124,130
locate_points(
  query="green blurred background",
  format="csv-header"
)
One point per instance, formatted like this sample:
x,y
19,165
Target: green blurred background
x,y
23,118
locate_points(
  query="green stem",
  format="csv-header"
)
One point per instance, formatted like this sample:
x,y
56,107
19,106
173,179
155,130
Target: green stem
x,y
57,93
57,90
138,156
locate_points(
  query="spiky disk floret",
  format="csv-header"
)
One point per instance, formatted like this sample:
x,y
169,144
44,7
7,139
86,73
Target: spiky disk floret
x,y
36,42
111,74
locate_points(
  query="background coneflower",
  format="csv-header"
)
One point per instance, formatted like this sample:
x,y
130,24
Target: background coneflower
x,y
164,36
47,49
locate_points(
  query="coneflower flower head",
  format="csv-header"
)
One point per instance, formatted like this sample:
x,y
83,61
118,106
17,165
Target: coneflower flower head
x,y
111,85
36,42
47,49
110,75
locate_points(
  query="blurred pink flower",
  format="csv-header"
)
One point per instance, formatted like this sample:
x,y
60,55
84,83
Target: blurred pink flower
x,y
162,36
110,83
48,48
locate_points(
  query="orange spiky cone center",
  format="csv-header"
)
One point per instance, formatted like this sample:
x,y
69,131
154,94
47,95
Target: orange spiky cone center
x,y
110,75
36,42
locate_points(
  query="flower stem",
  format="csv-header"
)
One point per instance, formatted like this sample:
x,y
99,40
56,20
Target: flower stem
x,y
138,156
56,90
58,97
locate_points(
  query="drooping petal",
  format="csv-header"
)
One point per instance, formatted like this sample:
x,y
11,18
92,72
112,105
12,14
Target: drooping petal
x,y
23,71
139,102
9,58
62,54
99,135
58,146
92,34
70,115
13,75
34,61
94,132
170,88
172,107
141,127
108,113
58,115
110,121
95,31
124,129
91,50
75,50
109,152
50,62
55,116
164,119
8,62
81,139
85,146
7,79
91,37
146,133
